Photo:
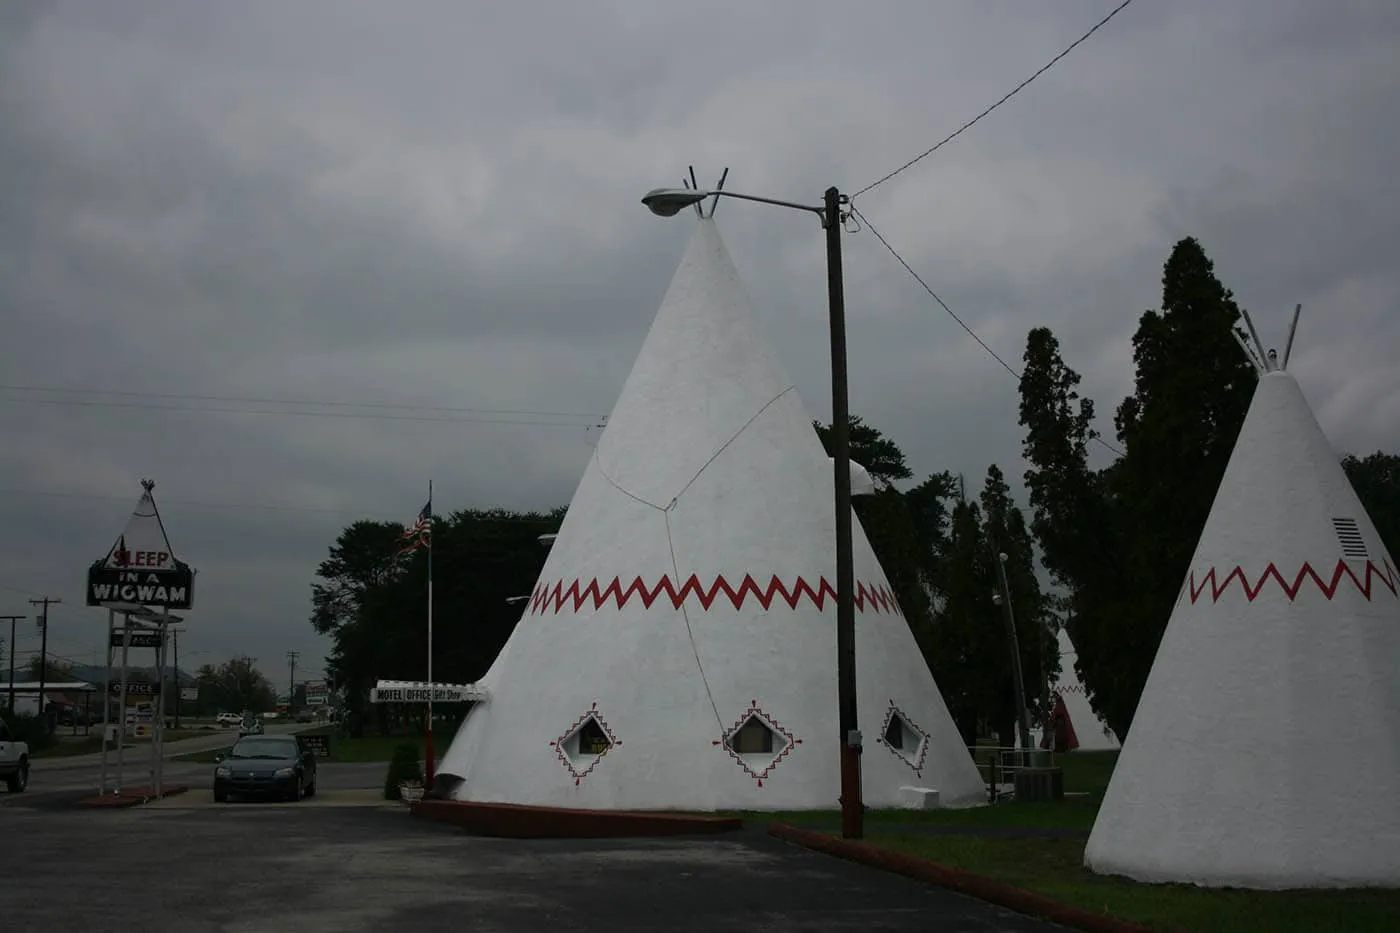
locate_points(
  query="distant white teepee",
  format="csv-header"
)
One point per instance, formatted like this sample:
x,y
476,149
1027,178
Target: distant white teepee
x,y
1091,732
1265,751
679,650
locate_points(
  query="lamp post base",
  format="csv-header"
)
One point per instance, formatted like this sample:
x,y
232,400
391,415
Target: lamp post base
x,y
852,804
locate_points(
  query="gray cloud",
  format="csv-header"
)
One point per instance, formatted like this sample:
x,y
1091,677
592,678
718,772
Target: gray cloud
x,y
435,204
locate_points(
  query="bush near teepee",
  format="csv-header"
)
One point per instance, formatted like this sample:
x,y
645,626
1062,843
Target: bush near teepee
x,y
402,767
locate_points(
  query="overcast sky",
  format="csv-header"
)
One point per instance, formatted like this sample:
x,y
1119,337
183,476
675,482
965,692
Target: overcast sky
x,y
435,205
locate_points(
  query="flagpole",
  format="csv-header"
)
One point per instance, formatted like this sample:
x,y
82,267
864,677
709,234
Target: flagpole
x,y
428,735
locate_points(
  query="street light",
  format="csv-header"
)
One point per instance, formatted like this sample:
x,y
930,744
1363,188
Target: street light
x,y
667,202
1004,599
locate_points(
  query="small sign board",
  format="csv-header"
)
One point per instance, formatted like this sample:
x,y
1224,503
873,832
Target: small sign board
x,y
402,692
315,699
139,639
168,588
135,689
318,742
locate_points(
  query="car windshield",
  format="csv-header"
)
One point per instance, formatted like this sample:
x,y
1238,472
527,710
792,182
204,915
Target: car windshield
x,y
263,748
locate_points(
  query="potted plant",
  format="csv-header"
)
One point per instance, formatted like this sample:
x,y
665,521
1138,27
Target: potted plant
x,y
405,778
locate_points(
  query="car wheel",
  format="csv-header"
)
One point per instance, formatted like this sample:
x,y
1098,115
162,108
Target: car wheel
x,y
221,796
18,781
311,788
297,790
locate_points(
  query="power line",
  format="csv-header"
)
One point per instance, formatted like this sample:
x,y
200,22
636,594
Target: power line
x,y
255,400
186,503
382,416
865,221
943,304
1010,94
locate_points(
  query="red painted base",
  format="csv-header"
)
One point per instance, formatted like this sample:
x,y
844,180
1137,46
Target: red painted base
x,y
129,797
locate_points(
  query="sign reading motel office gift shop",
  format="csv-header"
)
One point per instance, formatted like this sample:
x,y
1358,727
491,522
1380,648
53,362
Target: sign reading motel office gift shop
x,y
389,691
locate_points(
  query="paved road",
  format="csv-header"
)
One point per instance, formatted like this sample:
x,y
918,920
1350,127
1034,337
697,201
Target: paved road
x,y
315,867
203,742
50,788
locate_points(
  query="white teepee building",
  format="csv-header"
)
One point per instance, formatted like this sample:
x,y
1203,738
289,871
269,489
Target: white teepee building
x,y
679,650
1265,751
1091,732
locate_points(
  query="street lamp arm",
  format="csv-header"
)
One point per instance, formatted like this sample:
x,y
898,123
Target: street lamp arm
x,y
817,209
667,202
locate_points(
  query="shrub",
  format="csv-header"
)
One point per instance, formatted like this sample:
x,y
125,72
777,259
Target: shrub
x,y
404,766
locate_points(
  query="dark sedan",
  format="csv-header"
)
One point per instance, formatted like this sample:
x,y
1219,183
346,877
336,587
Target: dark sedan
x,y
278,766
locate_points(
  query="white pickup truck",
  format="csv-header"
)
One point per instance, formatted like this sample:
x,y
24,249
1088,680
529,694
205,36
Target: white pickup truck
x,y
14,760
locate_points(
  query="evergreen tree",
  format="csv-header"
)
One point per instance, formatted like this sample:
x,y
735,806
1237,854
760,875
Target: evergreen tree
x,y
1178,429
1376,479
966,661
1075,523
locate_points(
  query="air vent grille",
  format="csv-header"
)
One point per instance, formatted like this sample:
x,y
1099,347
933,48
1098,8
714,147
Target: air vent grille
x,y
1353,545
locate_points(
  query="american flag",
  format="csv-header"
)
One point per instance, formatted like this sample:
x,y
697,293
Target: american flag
x,y
420,533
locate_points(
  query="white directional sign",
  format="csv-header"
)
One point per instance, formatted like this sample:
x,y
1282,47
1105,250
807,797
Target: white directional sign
x,y
400,691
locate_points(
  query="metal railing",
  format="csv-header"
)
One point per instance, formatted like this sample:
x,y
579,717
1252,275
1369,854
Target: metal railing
x,y
998,765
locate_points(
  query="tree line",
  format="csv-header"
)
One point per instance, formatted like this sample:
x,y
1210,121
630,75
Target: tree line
x,y
1100,550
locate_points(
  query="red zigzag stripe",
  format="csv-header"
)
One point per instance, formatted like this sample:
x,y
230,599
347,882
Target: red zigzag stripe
x,y
874,597
1385,575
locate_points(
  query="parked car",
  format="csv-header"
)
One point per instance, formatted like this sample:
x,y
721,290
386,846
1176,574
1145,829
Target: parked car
x,y
304,716
229,719
14,760
280,766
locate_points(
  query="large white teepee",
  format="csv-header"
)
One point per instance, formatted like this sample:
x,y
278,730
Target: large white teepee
x,y
1265,751
679,651
1092,733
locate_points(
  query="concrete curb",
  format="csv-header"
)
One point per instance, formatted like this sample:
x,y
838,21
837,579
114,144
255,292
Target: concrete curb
x,y
956,879
129,798
516,821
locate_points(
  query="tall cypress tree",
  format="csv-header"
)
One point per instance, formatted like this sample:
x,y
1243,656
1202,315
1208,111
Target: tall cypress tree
x,y
1076,524
966,661
1178,429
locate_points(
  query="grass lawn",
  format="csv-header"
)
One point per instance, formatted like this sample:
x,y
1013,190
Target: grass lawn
x,y
369,749
1053,867
85,745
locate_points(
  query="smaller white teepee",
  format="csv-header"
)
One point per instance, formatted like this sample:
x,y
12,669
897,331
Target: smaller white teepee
x,y
1092,733
1265,750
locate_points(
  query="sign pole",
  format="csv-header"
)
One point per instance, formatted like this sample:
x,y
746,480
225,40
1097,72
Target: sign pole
x,y
121,700
428,736
158,740
107,696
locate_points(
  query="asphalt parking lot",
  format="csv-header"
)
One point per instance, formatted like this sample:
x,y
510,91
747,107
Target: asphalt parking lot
x,y
346,862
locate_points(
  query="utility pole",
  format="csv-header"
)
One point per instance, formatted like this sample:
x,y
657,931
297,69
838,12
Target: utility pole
x,y
12,621
175,635
44,653
292,677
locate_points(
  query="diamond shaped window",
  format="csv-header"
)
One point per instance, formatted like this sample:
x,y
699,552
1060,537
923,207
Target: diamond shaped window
x,y
757,742
581,748
904,738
